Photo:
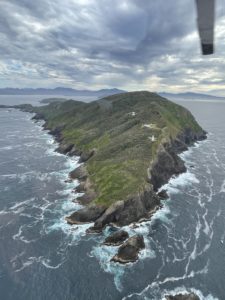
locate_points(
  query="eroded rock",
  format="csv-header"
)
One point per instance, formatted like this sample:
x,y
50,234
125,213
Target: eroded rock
x,y
116,238
81,187
168,163
132,210
163,195
85,215
190,296
79,173
128,252
86,156
86,198
64,148
74,151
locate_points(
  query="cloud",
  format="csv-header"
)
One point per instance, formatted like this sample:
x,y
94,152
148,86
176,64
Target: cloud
x,y
129,44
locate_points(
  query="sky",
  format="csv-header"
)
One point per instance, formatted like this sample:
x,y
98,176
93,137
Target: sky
x,y
92,44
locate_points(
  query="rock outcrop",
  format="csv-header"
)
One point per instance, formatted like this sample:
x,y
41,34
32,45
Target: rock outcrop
x,y
191,296
163,195
79,173
128,211
86,215
168,163
64,148
128,252
116,238
88,196
86,156
85,185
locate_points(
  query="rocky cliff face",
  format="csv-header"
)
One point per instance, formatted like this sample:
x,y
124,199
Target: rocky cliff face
x,y
142,205
168,163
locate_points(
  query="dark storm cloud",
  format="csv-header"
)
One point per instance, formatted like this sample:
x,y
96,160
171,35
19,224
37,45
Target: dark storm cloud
x,y
131,44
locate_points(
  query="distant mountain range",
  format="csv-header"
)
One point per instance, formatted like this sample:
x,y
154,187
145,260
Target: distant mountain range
x,y
60,91
187,96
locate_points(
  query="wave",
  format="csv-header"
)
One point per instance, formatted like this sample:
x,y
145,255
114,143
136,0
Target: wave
x,y
157,294
155,290
103,255
222,188
16,262
18,204
183,291
52,152
176,183
8,148
46,262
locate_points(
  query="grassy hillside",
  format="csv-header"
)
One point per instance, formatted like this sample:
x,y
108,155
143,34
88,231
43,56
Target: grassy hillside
x,y
120,129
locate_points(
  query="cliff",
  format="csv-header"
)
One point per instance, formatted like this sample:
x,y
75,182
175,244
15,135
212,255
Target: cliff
x,y
129,144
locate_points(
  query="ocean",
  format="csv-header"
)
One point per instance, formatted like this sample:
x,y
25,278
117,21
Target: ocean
x,y
42,257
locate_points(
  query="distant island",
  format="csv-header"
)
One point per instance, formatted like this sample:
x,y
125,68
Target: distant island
x,y
128,145
190,96
60,91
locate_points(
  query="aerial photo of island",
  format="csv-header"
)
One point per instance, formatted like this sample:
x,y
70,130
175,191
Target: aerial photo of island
x,y
112,150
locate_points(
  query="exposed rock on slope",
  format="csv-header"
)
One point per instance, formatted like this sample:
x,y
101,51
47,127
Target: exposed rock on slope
x,y
86,215
163,195
168,163
128,211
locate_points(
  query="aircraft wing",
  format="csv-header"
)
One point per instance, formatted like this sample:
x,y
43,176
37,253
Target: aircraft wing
x,y
206,13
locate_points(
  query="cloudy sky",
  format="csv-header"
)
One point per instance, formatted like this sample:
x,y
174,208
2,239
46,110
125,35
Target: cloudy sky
x,y
130,44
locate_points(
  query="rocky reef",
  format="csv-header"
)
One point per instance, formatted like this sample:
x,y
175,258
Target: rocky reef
x,y
128,252
116,238
191,296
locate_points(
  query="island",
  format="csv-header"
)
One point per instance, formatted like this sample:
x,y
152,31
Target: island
x,y
128,146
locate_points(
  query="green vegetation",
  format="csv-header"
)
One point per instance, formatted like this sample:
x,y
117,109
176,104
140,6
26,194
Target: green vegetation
x,y
53,100
113,126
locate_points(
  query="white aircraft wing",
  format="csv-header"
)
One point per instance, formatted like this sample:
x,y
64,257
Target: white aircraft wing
x,y
206,13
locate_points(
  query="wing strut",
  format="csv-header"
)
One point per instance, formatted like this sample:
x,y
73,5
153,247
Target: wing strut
x,y
206,16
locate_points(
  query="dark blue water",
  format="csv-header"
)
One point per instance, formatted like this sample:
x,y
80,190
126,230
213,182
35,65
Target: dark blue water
x,y
41,257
